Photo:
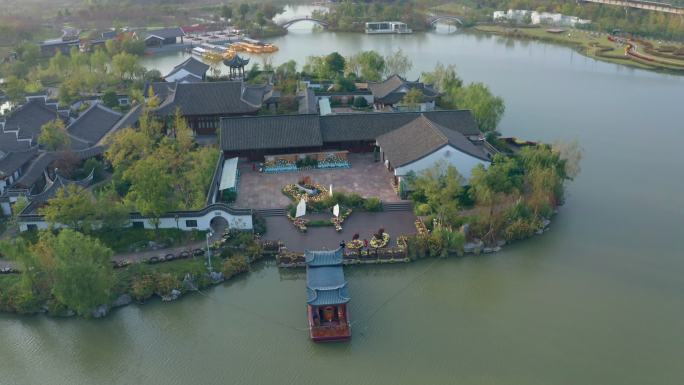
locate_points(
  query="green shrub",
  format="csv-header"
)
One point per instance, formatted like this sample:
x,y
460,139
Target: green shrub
x,y
423,209
319,223
360,102
372,204
417,247
142,287
164,283
259,224
228,196
234,266
354,200
520,229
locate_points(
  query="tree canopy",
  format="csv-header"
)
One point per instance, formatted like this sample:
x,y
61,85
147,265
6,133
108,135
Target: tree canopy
x,y
53,136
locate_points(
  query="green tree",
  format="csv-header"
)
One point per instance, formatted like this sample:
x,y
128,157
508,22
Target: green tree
x,y
444,78
371,65
487,108
99,60
335,63
226,12
127,146
110,99
244,10
71,206
83,275
151,191
15,88
125,64
53,136
412,98
110,211
440,186
397,63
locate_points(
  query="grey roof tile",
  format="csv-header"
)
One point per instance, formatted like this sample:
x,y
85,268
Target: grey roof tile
x,y
93,124
270,132
422,137
212,98
192,66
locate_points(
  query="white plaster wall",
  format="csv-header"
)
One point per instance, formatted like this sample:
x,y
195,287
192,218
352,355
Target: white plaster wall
x,y
242,222
463,162
6,209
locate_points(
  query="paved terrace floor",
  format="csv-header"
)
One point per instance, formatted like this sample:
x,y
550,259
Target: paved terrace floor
x,y
365,177
365,224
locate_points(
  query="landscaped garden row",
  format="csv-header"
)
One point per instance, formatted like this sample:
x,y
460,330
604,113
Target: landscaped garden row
x,y
319,200
307,163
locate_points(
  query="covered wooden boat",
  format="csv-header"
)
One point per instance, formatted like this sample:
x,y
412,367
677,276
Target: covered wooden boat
x,y
326,296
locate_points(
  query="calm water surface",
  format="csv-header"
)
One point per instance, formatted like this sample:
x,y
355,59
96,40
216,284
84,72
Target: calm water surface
x,y
597,300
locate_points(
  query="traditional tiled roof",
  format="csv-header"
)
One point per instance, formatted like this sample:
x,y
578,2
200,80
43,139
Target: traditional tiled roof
x,y
165,33
10,142
91,126
51,189
13,161
236,61
270,132
422,137
161,90
368,126
293,131
323,257
212,98
308,103
326,285
129,120
29,118
191,66
35,171
394,88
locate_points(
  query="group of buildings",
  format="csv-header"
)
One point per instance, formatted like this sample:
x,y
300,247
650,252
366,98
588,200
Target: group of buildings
x,y
226,111
71,38
521,16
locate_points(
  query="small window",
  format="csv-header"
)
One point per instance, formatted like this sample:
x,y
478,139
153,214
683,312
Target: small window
x,y
191,223
138,225
32,227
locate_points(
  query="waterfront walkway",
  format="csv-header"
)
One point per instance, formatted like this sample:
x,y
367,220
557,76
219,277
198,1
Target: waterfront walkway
x,y
395,223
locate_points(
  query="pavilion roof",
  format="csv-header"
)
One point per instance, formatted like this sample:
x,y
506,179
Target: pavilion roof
x,y
236,61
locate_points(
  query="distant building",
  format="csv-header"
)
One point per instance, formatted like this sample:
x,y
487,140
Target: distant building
x,y
391,92
164,36
25,167
204,104
535,18
191,70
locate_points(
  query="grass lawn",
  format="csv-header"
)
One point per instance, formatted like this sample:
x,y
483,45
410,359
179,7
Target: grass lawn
x,y
597,47
131,239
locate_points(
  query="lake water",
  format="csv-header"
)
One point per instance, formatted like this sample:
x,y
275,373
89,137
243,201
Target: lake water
x,y
599,299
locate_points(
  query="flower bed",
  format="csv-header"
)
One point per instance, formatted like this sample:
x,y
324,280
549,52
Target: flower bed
x,y
420,226
296,194
299,223
379,241
355,244
279,166
333,162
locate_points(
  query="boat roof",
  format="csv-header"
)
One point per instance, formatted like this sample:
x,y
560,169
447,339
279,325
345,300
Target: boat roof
x,y
323,257
325,285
